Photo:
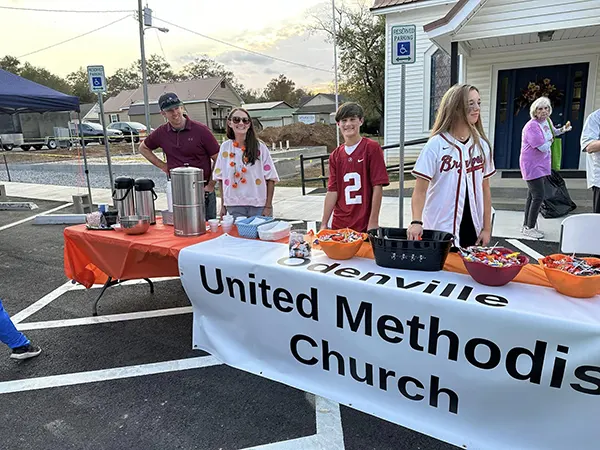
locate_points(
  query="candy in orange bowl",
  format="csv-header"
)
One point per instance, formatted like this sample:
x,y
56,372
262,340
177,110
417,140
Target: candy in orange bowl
x,y
574,277
340,244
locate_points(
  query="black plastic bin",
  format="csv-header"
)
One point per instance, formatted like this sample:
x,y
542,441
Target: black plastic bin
x,y
392,249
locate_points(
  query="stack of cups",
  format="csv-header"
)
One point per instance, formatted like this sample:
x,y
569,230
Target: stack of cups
x,y
214,225
227,223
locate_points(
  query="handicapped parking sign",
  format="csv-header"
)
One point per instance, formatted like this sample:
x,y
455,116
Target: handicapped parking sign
x,y
404,39
97,81
403,48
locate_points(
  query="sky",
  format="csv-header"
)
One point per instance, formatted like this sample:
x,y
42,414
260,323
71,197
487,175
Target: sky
x,y
273,27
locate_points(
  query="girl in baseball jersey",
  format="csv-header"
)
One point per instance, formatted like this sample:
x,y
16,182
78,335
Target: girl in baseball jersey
x,y
452,190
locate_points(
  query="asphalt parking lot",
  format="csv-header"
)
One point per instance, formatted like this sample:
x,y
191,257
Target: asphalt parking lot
x,y
135,383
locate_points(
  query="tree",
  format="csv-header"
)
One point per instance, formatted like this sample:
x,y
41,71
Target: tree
x,y
361,47
123,79
282,89
80,86
10,64
158,70
44,77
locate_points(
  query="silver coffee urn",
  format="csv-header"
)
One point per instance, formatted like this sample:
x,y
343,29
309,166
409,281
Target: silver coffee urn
x,y
188,201
144,199
123,196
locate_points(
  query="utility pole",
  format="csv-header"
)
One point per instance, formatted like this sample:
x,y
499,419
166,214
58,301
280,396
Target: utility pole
x,y
144,73
335,65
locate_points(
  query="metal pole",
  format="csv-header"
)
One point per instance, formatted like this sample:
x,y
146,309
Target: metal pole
x,y
401,149
5,163
85,164
335,65
144,74
110,172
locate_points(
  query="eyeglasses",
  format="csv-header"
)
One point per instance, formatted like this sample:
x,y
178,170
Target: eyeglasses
x,y
244,120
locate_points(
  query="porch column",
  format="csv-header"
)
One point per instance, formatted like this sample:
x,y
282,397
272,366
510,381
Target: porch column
x,y
453,63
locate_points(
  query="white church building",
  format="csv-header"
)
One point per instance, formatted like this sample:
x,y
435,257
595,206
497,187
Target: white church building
x,y
506,48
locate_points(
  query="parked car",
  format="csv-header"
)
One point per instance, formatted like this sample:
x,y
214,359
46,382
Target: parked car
x,y
138,130
93,132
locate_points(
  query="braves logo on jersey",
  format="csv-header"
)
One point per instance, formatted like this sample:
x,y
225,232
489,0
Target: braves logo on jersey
x,y
448,163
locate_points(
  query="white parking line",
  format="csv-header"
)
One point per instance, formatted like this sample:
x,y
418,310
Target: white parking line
x,y
103,319
127,283
95,376
521,246
44,301
19,222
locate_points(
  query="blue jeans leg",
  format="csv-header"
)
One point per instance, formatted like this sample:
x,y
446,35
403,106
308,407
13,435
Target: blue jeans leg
x,y
8,333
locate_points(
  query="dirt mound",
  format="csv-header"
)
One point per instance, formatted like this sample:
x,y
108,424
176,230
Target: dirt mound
x,y
301,135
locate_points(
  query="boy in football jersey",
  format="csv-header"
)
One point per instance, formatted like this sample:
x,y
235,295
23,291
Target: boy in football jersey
x,y
357,174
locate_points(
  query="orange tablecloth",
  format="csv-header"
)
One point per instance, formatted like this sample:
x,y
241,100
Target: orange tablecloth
x,y
91,256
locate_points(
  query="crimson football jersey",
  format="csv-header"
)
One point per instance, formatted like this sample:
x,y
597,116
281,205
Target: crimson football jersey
x,y
353,177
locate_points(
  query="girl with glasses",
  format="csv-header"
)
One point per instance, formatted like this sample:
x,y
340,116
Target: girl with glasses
x,y
245,170
452,190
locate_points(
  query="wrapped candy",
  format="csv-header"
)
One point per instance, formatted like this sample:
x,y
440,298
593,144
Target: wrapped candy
x,y
299,246
491,256
572,265
343,236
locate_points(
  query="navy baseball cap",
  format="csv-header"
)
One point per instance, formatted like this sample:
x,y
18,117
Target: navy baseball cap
x,y
168,101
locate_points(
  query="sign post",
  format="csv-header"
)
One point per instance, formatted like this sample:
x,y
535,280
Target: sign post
x,y
97,82
404,38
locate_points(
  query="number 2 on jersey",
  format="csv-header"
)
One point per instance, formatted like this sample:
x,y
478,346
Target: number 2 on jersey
x,y
356,185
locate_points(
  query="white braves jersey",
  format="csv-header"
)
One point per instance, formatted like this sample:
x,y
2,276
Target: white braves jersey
x,y
450,167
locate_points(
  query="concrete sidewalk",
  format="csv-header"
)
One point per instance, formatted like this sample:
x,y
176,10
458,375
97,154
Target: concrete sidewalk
x,y
289,203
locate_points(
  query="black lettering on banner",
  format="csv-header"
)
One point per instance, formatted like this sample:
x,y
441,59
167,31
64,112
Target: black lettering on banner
x,y
582,373
364,314
293,262
231,282
415,326
312,301
395,326
327,354
448,290
347,272
219,289
402,387
264,289
401,285
431,286
560,365
281,295
494,358
491,300
383,279
537,362
384,374
294,349
323,268
434,335
368,378
435,391
252,286
465,293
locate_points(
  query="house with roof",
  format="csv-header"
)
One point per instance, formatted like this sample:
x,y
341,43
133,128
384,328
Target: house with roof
x,y
271,114
509,50
317,109
207,100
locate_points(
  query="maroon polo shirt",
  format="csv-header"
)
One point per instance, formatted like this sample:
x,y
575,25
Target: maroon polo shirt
x,y
193,145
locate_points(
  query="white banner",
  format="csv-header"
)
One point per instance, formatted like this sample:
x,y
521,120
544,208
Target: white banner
x,y
516,367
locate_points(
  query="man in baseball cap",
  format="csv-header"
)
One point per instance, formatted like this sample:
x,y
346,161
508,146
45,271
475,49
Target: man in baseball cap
x,y
169,101
183,141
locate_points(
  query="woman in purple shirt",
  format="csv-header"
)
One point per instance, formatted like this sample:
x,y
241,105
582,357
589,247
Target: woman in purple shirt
x,y
535,160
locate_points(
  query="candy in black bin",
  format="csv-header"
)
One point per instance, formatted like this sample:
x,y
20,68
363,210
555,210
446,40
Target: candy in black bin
x,y
391,248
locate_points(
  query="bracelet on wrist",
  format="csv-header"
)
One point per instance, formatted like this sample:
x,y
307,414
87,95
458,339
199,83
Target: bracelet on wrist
x,y
416,222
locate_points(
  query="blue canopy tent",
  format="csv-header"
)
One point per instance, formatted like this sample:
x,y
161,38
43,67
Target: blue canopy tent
x,y
19,95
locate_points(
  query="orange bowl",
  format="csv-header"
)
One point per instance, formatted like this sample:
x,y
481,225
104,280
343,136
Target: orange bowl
x,y
573,285
339,250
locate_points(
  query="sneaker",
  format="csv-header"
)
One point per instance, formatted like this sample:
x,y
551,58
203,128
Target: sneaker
x,y
25,352
532,233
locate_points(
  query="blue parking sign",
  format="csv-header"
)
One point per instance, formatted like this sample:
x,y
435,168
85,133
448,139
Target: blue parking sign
x,y
97,81
404,48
